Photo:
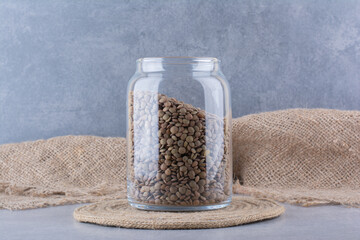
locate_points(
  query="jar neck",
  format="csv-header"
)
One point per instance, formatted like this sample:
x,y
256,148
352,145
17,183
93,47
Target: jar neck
x,y
177,64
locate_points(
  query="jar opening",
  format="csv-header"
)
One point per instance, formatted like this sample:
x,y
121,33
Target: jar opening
x,y
158,64
178,60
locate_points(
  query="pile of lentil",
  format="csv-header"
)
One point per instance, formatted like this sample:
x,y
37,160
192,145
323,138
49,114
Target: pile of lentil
x,y
177,154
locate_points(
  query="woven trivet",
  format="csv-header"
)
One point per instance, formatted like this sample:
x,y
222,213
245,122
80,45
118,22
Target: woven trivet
x,y
120,214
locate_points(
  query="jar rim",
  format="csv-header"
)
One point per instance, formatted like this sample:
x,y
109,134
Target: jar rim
x,y
178,60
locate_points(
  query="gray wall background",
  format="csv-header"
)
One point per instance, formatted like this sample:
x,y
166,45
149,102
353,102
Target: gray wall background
x,y
64,65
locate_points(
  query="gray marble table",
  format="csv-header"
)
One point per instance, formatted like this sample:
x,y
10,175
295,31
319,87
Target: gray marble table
x,y
325,222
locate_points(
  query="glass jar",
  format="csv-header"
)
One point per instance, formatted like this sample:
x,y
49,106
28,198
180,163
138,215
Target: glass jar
x,y
179,135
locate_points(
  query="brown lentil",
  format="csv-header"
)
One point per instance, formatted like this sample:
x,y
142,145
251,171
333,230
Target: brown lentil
x,y
178,154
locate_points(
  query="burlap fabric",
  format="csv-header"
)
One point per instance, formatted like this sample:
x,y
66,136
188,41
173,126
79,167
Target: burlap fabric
x,y
296,156
119,213
300,156
62,170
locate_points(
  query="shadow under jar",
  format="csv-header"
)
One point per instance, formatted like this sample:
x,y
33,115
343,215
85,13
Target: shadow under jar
x,y
179,135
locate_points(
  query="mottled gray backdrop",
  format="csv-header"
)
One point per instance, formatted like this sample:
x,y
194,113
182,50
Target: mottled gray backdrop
x,y
64,65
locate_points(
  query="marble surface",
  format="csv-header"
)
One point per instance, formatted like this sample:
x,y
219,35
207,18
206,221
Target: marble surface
x,y
297,223
64,64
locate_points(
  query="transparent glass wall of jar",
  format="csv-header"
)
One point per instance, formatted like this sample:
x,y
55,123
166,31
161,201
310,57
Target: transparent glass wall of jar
x,y
179,135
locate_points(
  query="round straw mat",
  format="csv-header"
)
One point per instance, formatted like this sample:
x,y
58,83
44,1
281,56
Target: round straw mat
x,y
120,214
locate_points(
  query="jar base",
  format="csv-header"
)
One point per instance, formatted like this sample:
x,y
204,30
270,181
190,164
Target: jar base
x,y
168,208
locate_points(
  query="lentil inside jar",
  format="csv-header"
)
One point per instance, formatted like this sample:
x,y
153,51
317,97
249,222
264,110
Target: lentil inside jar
x,y
178,155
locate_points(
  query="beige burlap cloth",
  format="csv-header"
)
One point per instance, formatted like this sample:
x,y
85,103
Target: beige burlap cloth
x,y
62,170
299,156
296,156
120,214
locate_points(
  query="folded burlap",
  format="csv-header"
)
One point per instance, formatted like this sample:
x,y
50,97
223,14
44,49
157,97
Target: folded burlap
x,y
298,156
62,170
